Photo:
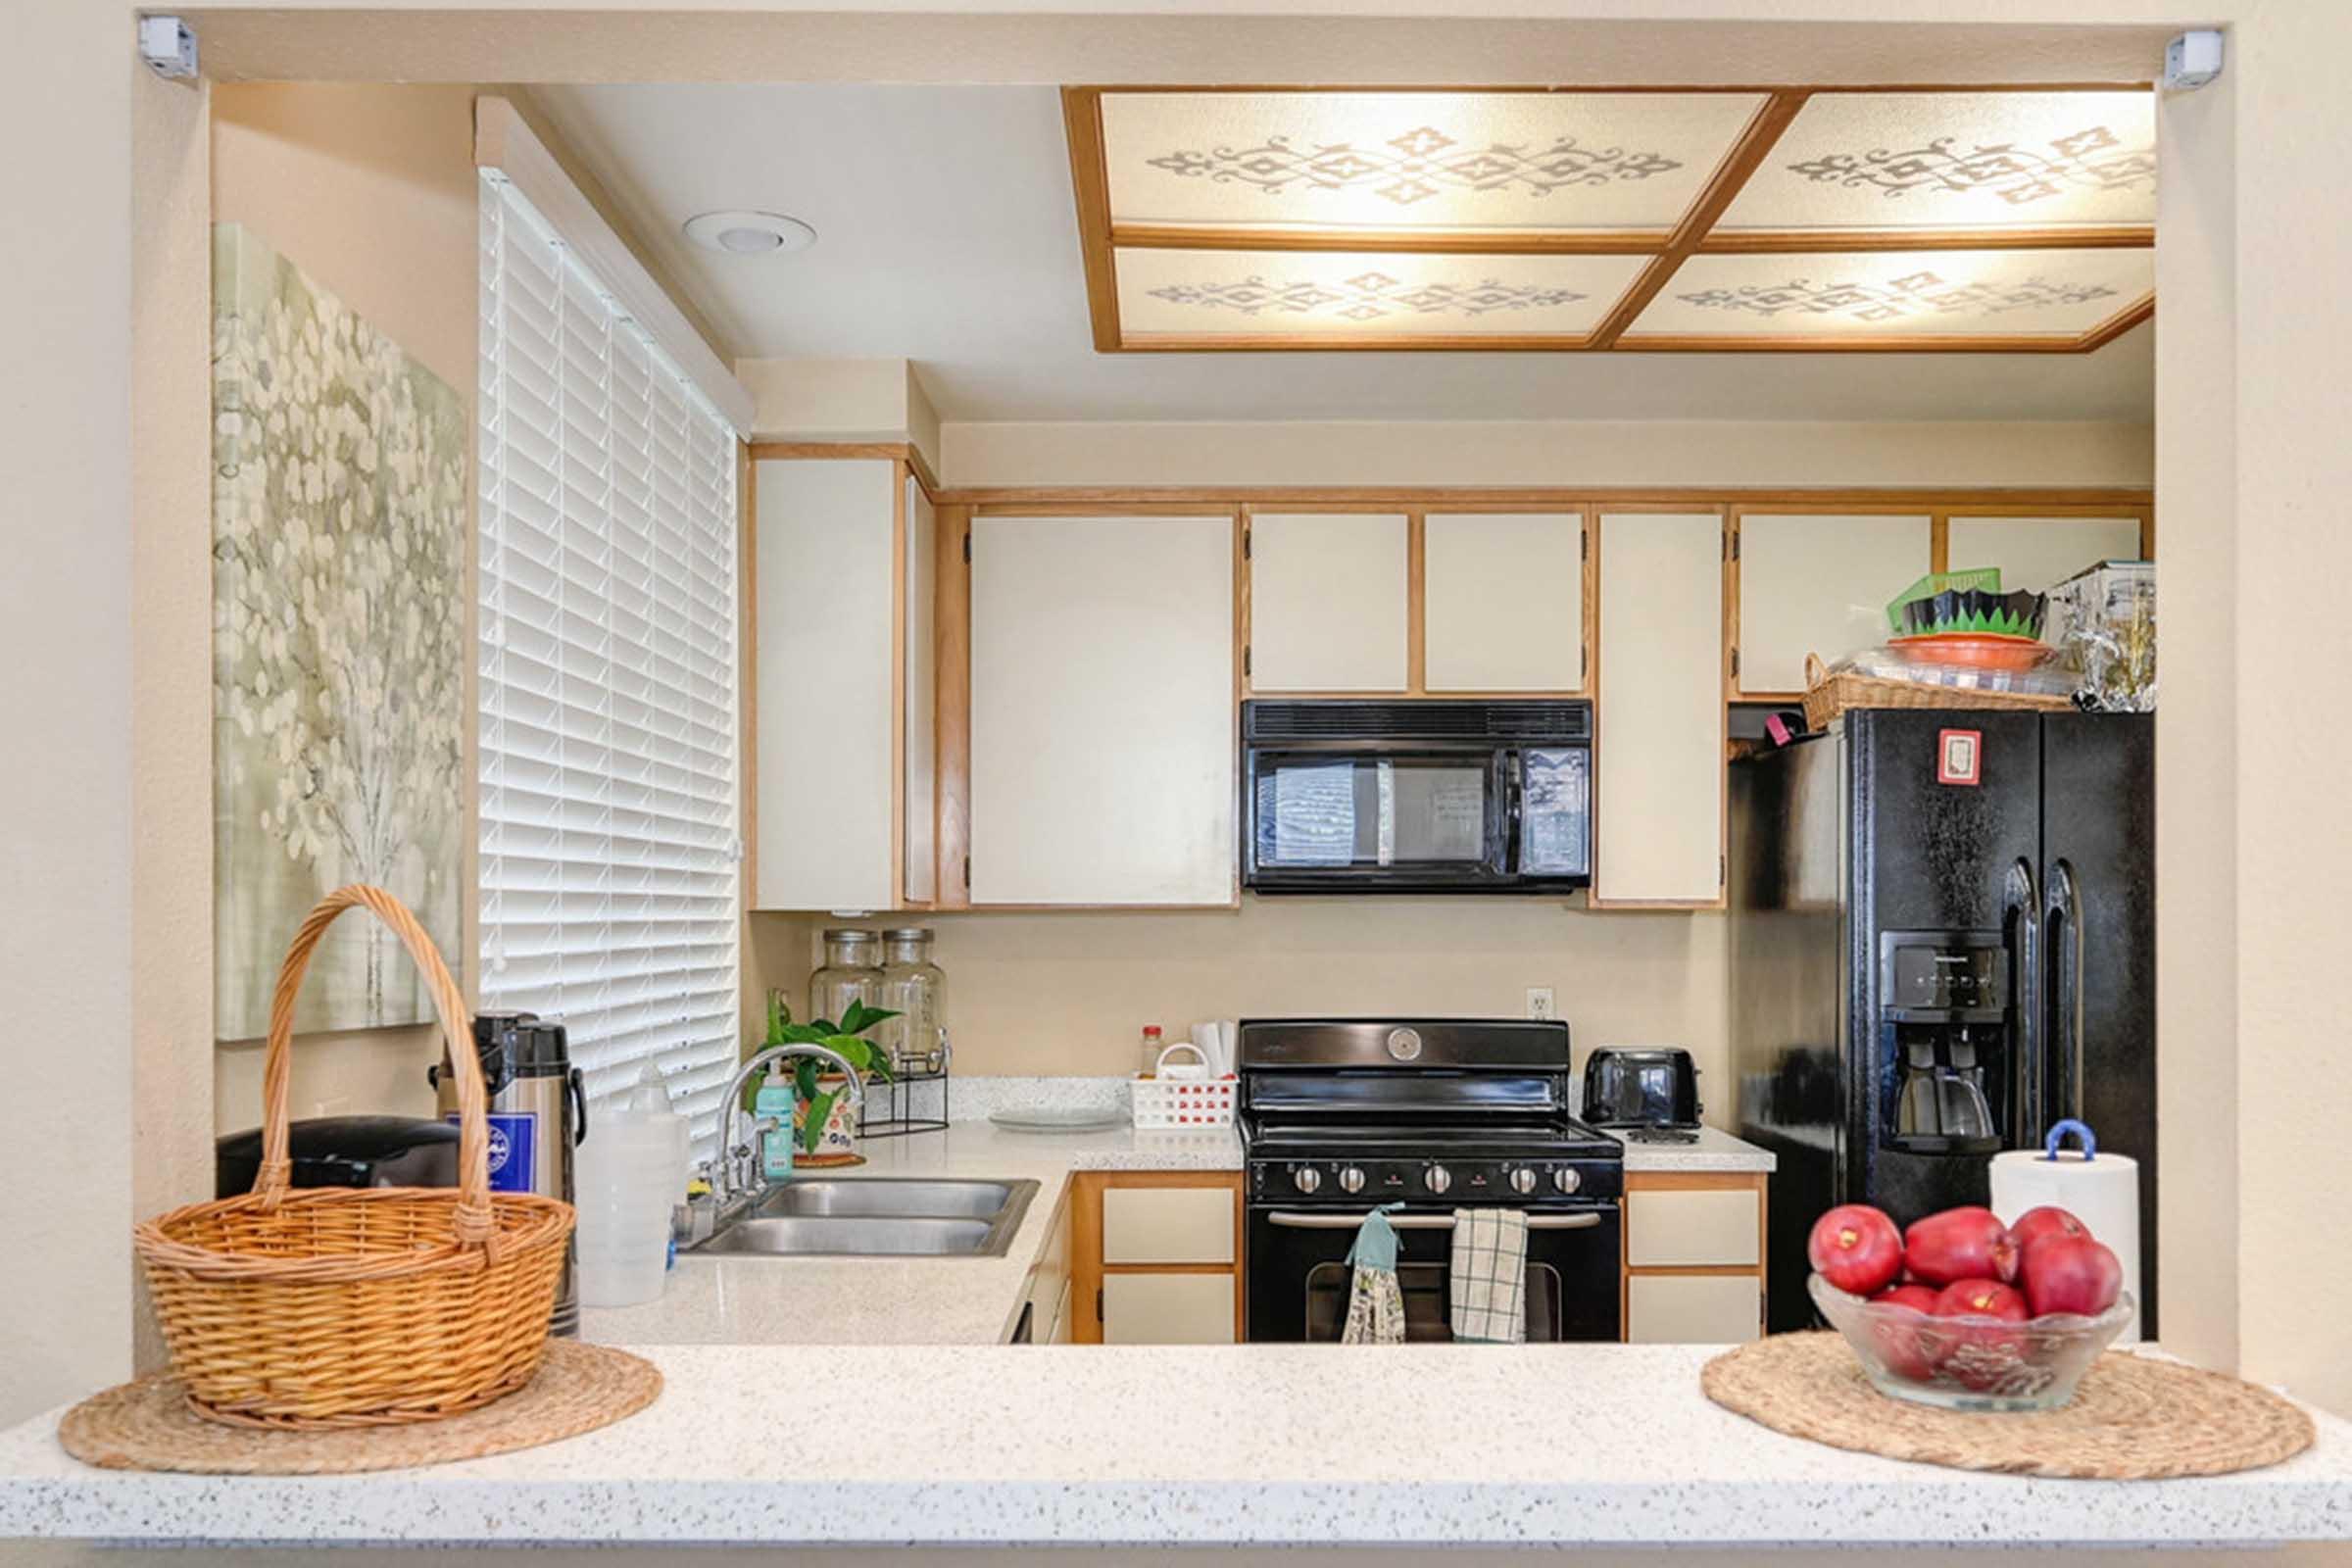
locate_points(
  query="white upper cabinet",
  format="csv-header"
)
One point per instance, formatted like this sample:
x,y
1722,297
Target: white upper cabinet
x,y
1328,597
1819,583
1658,755
920,832
1504,602
1101,710
842,627
2035,553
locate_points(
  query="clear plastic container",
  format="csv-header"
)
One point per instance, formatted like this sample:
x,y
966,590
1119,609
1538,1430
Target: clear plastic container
x,y
628,1175
852,972
914,988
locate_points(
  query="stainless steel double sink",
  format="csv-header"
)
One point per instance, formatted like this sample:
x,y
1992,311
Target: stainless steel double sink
x,y
876,1216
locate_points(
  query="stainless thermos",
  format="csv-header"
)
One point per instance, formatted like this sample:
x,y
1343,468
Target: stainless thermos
x,y
538,1114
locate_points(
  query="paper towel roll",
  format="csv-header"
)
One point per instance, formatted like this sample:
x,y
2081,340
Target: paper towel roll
x,y
2100,1190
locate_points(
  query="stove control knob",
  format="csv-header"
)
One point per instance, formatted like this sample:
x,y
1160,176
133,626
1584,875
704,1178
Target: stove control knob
x,y
1307,1178
1439,1179
1566,1180
1523,1180
1351,1180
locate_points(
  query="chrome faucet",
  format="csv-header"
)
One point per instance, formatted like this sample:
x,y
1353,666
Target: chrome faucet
x,y
738,1167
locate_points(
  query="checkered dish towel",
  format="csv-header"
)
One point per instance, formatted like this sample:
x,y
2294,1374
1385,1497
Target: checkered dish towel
x,y
1489,1275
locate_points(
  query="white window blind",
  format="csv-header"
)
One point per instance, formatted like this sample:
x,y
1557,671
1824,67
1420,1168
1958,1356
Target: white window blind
x,y
607,651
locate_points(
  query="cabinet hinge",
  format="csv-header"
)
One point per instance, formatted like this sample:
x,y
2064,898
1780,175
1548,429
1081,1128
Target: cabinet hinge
x,y
967,548
967,876
1244,660
1734,664
1734,544
1245,541
1097,1306
1723,869
1583,546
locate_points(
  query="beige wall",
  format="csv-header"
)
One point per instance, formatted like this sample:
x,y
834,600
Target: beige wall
x,y
1548,452
1070,993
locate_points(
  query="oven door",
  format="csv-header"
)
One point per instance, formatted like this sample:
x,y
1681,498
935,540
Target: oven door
x,y
1299,1278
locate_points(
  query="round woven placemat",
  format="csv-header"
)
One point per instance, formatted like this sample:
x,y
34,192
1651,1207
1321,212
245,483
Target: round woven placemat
x,y
147,1425
2132,1418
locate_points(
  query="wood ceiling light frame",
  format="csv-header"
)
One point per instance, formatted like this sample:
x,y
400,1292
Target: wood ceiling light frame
x,y
1099,240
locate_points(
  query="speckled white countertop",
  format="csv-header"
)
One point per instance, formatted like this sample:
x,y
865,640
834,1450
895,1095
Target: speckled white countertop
x,y
1267,1445
1716,1151
900,1300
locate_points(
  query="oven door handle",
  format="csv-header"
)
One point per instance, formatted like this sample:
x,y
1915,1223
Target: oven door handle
x,y
1424,1222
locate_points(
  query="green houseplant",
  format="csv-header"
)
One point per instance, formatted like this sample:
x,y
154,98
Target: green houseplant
x,y
843,1038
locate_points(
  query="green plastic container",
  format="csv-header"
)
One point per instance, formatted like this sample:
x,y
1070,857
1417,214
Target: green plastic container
x,y
1983,579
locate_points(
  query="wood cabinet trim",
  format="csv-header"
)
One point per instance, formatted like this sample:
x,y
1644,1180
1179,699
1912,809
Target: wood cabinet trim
x,y
1087,1268
951,691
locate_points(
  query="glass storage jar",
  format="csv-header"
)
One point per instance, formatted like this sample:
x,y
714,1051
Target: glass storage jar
x,y
852,972
914,988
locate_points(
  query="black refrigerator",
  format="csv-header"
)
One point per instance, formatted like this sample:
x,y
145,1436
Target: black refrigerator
x,y
1942,940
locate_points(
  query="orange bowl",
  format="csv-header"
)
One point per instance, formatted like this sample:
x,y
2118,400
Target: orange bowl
x,y
1978,650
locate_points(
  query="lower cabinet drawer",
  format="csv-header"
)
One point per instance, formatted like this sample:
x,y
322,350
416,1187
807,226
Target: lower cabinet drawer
x,y
1692,1308
1684,1227
1167,1309
1168,1225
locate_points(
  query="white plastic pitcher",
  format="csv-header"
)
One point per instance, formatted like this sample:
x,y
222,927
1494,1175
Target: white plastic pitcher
x,y
628,1175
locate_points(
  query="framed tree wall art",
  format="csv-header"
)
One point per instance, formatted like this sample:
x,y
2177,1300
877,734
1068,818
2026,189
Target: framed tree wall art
x,y
339,516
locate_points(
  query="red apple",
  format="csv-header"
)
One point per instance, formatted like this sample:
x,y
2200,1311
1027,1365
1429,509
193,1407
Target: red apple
x,y
1980,1356
2071,1274
1960,1244
1907,1350
1855,1247
2048,1220
1981,1299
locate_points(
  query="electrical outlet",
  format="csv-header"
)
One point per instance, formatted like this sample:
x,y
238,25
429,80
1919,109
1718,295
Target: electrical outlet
x,y
1539,1004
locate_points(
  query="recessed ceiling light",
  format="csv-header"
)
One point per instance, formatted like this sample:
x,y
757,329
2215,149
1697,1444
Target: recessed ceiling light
x,y
749,233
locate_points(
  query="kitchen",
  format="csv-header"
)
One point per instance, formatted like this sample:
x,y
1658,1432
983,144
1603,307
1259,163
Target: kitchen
x,y
1036,993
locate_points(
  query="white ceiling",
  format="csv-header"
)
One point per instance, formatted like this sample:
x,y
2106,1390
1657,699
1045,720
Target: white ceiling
x,y
947,235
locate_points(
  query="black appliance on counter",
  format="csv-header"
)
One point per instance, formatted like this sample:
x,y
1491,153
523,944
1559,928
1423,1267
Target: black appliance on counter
x,y
1942,940
1339,1114
345,1151
1416,797
1646,1088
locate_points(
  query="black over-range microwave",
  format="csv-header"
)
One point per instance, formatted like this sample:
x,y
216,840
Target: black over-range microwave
x,y
1416,796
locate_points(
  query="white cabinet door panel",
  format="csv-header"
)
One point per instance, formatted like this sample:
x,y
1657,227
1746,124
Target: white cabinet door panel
x,y
1502,597
1692,1308
2033,553
1327,602
1819,584
1691,1227
920,841
826,563
1168,1225
1101,710
1167,1309
1659,753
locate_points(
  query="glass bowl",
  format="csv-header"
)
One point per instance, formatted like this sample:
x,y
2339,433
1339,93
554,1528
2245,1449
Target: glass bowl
x,y
1969,1363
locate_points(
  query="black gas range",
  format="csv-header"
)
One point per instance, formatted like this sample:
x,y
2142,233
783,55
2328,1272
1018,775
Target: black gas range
x,y
1338,1114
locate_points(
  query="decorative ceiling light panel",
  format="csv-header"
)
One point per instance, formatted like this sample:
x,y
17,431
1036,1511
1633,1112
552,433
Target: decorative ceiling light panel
x,y
1428,162
1791,218
1366,298
2004,161
2059,295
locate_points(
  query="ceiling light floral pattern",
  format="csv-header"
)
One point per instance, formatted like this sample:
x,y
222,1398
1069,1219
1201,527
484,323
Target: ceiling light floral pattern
x,y
1366,297
1914,295
1418,165
2091,159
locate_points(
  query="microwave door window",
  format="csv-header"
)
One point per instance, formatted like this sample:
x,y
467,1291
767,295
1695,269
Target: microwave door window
x,y
1437,813
1556,812
1314,812
1314,818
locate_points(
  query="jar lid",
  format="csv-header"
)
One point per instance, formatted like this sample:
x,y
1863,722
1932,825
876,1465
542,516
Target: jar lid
x,y
908,933
848,933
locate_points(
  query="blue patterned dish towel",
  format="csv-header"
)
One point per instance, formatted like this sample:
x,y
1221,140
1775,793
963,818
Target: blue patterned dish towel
x,y
1375,1304
1488,1274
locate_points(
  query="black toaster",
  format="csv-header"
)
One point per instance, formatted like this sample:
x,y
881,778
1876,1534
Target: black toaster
x,y
1655,1087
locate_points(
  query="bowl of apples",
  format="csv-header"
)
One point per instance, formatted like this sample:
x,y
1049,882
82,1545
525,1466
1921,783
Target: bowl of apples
x,y
1965,1312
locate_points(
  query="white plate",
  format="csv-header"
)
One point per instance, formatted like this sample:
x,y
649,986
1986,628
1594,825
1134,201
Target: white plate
x,y
1059,1118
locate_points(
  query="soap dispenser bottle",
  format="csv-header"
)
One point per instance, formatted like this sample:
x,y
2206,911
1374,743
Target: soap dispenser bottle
x,y
775,1103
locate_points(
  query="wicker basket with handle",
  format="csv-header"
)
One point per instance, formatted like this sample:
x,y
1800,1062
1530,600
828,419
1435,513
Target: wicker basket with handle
x,y
1826,694
350,1306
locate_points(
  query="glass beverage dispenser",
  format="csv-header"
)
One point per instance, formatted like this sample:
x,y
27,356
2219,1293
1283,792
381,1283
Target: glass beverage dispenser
x,y
913,987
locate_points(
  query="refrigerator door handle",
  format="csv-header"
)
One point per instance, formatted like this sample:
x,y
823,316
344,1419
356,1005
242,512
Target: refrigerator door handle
x,y
2021,901
2065,932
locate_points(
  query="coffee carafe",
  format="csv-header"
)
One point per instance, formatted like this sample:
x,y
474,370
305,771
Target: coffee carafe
x,y
538,1114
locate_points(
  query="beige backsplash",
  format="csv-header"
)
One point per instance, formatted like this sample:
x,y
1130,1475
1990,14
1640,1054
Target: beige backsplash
x,y
1069,992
